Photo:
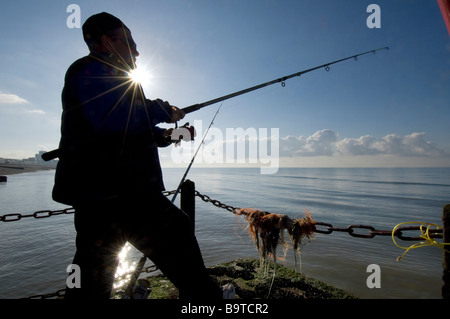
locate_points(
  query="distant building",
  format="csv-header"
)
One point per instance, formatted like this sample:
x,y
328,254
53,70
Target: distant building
x,y
39,161
30,161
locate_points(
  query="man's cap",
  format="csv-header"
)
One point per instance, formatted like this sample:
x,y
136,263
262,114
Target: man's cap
x,y
98,25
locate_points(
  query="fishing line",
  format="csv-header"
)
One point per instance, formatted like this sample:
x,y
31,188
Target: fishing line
x,y
281,80
193,157
425,234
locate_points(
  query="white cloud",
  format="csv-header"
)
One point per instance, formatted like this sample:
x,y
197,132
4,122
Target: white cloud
x,y
358,146
11,99
35,112
320,143
321,149
326,143
413,144
14,104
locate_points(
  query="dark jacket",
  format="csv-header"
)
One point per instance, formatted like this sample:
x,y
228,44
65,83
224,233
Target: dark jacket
x,y
109,140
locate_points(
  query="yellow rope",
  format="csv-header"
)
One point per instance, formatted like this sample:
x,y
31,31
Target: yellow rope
x,y
425,234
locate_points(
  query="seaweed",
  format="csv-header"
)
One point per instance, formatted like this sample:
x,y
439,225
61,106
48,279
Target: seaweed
x,y
268,229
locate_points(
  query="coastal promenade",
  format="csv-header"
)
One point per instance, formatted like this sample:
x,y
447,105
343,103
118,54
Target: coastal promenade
x,y
11,169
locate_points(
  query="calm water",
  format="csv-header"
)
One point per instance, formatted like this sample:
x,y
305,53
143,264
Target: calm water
x,y
36,252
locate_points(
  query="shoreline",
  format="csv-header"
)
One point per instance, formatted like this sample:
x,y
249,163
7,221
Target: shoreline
x,y
7,170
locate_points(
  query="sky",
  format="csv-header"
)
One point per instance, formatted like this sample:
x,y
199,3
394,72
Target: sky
x,y
391,108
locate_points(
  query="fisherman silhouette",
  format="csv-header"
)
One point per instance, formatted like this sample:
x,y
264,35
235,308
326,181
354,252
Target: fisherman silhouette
x,y
109,170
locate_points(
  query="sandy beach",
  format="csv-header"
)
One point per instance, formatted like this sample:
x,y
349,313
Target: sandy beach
x,y
6,169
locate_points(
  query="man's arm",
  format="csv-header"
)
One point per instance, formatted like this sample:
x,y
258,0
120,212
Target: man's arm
x,y
162,112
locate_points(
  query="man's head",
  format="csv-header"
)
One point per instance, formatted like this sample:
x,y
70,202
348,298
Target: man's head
x,y
104,32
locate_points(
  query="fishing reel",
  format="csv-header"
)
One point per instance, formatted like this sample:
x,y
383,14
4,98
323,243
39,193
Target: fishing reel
x,y
182,133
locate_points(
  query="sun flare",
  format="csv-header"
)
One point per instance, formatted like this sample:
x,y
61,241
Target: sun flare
x,y
140,76
125,267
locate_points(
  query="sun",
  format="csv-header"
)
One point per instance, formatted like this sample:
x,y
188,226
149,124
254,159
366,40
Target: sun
x,y
140,76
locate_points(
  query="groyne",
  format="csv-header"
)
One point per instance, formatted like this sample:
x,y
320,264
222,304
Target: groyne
x,y
251,281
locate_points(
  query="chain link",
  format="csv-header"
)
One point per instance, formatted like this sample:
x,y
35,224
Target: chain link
x,y
215,202
38,215
59,293
48,213
434,233
150,269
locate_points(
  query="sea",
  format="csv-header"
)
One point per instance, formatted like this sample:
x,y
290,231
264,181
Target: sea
x,y
35,253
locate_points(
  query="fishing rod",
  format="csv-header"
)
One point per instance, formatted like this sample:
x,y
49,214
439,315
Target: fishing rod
x,y
281,80
55,153
193,157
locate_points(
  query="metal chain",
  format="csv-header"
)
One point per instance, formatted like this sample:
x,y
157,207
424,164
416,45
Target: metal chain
x,y
372,232
39,214
167,193
150,269
47,213
60,293
435,233
215,202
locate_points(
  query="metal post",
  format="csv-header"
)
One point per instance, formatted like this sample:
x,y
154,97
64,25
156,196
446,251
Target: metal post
x,y
187,200
446,263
